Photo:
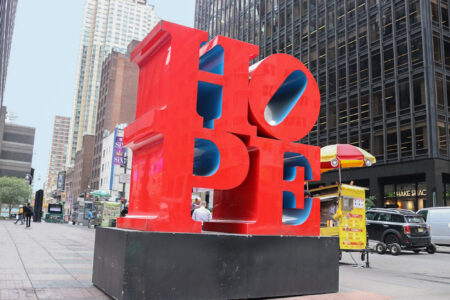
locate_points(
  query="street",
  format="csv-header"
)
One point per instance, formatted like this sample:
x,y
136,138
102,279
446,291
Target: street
x,y
54,261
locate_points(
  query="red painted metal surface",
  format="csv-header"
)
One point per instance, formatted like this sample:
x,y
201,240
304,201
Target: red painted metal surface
x,y
204,119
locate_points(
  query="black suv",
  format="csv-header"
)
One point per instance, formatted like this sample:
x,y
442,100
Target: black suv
x,y
398,229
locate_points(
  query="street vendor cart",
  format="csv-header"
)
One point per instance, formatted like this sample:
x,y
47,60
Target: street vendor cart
x,y
343,214
342,206
106,213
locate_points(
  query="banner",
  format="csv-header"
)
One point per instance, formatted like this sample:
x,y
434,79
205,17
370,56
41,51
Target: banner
x,y
118,151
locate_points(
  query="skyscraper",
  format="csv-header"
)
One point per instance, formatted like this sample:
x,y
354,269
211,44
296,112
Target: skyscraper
x,y
58,152
107,25
383,70
7,17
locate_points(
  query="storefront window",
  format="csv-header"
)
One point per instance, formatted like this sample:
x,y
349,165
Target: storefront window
x,y
389,196
447,194
410,196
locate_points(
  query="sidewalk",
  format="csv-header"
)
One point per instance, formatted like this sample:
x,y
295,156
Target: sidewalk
x,y
44,262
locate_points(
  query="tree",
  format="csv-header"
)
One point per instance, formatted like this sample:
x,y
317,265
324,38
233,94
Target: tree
x,y
14,191
370,202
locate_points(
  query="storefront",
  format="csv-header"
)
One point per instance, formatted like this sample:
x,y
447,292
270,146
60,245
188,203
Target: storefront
x,y
410,196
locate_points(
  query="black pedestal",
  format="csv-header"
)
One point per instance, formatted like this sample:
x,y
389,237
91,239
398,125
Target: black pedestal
x,y
152,265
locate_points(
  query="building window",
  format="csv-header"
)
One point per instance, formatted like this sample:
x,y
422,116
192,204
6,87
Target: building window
x,y
376,104
439,90
421,139
403,92
378,145
442,138
437,49
434,11
389,97
406,141
419,91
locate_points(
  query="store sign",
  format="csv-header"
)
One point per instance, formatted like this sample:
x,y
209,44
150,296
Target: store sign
x,y
204,118
118,151
411,193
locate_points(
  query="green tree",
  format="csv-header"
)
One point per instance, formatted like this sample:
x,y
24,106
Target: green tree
x,y
14,191
370,202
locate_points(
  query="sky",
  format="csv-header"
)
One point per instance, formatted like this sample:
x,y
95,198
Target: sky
x,y
43,64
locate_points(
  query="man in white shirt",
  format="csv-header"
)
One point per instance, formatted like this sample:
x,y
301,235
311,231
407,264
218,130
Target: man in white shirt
x,y
202,214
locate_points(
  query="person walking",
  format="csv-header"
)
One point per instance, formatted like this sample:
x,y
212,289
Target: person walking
x,y
90,218
195,204
28,212
201,214
20,215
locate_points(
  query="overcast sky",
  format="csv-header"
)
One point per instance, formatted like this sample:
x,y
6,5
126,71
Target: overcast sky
x,y
43,64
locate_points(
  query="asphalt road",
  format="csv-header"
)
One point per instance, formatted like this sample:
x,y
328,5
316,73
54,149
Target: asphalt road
x,y
407,276
54,261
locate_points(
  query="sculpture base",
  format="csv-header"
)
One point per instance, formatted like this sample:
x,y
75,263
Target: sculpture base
x,y
156,265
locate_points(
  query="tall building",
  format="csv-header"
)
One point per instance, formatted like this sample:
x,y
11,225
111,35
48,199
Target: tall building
x,y
117,101
7,17
383,70
16,148
58,151
107,25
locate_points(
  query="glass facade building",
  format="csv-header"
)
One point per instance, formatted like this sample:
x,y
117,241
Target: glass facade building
x,y
383,70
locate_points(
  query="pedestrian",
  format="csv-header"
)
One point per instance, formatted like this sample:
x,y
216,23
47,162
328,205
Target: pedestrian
x,y
201,214
124,211
20,215
28,212
90,218
195,204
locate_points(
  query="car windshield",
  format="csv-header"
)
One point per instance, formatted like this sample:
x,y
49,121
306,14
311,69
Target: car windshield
x,y
414,219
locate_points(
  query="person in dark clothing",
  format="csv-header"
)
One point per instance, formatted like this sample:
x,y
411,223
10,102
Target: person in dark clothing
x,y
124,211
28,212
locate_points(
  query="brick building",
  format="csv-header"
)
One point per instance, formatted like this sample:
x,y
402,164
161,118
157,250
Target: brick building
x,y
82,167
117,101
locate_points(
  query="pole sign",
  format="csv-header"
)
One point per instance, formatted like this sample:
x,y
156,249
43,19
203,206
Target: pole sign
x,y
118,151
205,118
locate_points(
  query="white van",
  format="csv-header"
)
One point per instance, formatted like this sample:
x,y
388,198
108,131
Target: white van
x,y
439,220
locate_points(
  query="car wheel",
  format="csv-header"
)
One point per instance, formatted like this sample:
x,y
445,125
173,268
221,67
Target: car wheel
x,y
395,249
416,250
391,239
380,248
431,249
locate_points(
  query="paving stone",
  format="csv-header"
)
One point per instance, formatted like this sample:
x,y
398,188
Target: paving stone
x,y
17,294
40,284
48,261
15,284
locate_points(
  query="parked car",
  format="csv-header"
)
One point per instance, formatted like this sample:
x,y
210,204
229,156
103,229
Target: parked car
x,y
398,229
438,218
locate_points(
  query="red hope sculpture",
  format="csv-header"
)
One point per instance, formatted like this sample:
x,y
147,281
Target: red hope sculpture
x,y
204,119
